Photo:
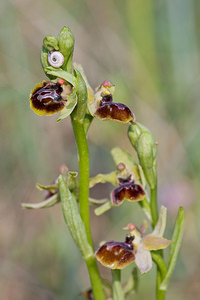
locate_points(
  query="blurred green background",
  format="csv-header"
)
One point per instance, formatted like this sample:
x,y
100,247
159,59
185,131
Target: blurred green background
x,y
150,50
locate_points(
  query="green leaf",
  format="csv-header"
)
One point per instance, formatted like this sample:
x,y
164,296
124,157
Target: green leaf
x,y
73,219
59,73
175,247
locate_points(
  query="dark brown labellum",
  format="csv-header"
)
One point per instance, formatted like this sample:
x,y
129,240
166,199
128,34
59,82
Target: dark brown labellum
x,y
128,191
115,255
114,111
48,98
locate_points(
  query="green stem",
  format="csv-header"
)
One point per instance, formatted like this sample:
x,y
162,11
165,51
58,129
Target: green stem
x,y
160,294
157,258
161,268
153,204
83,155
117,288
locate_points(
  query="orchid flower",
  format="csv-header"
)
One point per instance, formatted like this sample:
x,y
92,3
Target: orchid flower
x,y
136,247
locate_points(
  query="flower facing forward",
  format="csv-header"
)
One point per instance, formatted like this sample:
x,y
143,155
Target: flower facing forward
x,y
127,188
48,98
136,247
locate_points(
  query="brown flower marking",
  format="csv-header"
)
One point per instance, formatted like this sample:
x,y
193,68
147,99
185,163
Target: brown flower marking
x,y
116,255
117,112
127,191
48,98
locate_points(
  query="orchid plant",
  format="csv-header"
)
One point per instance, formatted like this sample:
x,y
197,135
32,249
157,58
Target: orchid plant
x,y
68,92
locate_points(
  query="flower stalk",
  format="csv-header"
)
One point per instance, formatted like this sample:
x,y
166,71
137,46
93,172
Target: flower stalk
x,y
69,93
118,293
83,156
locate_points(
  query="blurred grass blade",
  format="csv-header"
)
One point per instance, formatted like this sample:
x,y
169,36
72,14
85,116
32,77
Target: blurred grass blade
x,y
175,246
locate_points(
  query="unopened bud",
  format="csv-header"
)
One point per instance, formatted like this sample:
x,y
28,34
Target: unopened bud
x,y
145,146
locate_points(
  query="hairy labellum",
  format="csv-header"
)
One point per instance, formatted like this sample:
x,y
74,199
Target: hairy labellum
x,y
128,191
117,112
46,98
115,255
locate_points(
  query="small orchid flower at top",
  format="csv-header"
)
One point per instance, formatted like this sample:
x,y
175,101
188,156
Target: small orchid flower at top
x,y
62,92
136,247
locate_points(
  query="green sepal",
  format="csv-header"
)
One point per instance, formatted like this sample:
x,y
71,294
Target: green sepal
x,y
73,219
103,208
44,62
79,68
122,156
52,188
145,146
103,178
51,201
82,96
60,73
69,107
94,201
50,43
66,47
175,247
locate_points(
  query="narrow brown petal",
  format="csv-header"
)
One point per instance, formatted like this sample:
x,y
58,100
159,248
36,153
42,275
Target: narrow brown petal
x,y
115,255
114,111
128,191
